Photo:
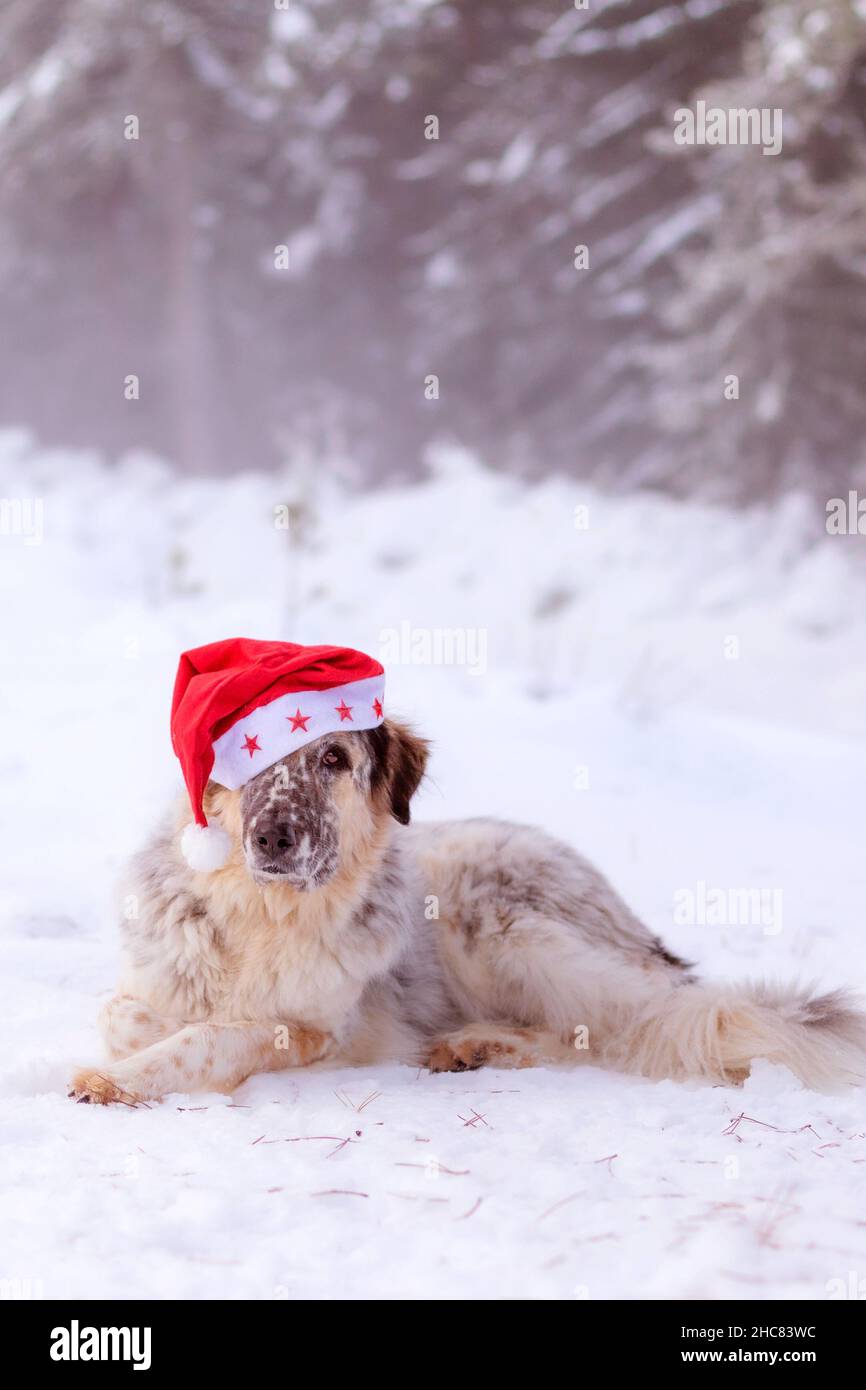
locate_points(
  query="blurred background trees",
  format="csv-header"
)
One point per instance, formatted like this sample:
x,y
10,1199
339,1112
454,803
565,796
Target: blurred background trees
x,y
304,124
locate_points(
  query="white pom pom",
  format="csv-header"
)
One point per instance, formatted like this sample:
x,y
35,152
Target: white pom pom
x,y
205,847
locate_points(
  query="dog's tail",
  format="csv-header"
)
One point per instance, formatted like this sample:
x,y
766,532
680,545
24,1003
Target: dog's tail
x,y
717,1031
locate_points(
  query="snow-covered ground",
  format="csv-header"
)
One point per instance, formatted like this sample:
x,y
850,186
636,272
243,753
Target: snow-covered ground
x,y
675,690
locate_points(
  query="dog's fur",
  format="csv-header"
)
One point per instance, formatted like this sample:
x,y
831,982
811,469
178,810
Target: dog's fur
x,y
448,945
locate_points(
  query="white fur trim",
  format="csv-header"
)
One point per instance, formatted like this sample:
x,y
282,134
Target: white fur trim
x,y
273,731
205,847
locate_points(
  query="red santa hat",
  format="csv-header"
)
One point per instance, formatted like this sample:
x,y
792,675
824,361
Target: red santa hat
x,y
241,705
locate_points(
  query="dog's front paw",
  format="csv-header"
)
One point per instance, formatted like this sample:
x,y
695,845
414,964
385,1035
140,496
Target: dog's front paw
x,y
99,1088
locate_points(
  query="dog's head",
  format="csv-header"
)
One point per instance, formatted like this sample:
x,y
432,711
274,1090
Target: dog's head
x,y
318,808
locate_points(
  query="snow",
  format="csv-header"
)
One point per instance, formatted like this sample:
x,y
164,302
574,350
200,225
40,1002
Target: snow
x,y
516,159
607,707
290,23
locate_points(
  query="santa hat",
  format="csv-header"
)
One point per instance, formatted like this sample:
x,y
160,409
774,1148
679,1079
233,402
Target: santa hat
x,y
241,705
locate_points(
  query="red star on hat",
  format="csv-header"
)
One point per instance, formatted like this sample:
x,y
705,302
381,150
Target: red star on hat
x,y
344,711
251,744
298,720
377,708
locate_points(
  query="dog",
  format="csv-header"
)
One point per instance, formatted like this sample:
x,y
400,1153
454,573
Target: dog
x,y
336,931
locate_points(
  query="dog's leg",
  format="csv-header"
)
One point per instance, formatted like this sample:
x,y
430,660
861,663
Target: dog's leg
x,y
494,1044
201,1056
640,1011
128,1024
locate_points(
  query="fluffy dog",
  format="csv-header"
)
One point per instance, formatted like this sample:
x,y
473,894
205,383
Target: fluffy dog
x,y
336,931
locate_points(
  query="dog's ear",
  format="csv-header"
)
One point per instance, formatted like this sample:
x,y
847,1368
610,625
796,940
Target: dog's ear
x,y
399,760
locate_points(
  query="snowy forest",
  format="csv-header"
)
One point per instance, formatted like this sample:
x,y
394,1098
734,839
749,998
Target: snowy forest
x,y
442,330
355,226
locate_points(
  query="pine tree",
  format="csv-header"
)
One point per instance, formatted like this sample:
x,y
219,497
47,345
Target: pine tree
x,y
128,150
331,202
773,294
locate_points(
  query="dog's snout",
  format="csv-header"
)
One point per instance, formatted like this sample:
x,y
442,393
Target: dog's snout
x,y
274,838
290,824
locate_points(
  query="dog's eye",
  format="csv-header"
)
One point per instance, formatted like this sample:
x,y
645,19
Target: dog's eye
x,y
335,757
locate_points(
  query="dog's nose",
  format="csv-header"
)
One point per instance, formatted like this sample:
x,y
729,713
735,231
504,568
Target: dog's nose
x,y
275,838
